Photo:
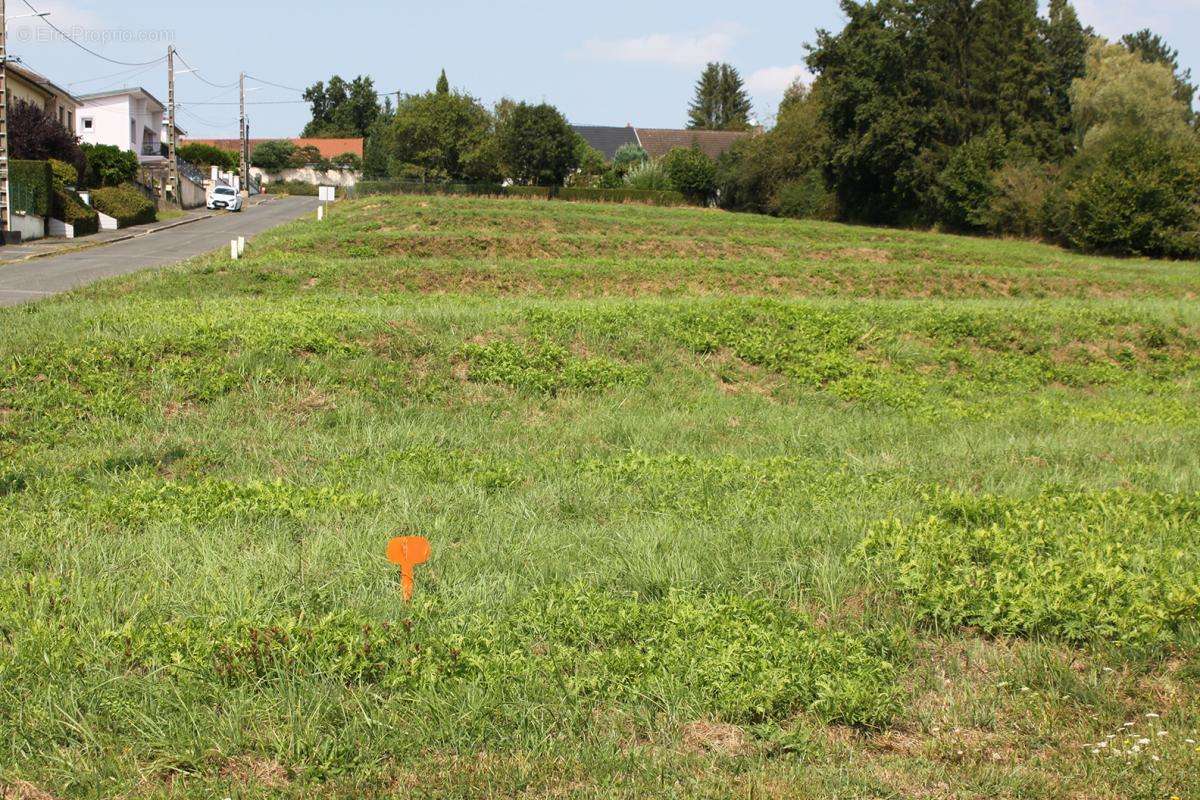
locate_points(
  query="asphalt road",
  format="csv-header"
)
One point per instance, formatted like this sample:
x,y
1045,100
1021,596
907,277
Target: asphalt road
x,y
32,280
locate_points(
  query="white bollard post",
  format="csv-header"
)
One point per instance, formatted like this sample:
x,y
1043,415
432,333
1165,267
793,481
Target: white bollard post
x,y
320,213
233,249
241,246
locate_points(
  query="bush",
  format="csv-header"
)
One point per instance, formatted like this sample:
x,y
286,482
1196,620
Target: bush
x,y
1019,199
108,165
126,204
806,198
296,188
307,156
350,161
1133,193
649,176
691,173
629,156
31,183
207,155
64,173
378,187
965,189
273,156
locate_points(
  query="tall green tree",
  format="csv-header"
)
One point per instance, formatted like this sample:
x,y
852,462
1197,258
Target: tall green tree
x,y
341,109
1153,49
443,84
536,145
439,137
1067,43
721,102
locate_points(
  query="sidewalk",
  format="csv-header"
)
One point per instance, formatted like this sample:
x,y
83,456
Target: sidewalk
x,y
42,248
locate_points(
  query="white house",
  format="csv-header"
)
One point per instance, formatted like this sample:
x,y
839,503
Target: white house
x,y
128,118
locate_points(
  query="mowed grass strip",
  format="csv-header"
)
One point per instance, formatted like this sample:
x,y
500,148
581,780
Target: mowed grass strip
x,y
721,506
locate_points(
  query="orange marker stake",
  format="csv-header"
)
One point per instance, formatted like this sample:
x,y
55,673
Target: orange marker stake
x,y
408,552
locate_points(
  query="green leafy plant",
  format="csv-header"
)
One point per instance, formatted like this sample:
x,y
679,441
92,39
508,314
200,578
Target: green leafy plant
x,y
108,165
649,176
126,204
691,173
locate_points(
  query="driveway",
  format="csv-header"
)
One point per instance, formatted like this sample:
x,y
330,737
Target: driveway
x,y
32,280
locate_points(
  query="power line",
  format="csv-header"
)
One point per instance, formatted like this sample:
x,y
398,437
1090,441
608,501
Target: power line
x,y
196,74
64,34
256,103
276,85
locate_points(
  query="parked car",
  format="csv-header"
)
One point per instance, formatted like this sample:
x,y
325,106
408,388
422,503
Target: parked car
x,y
225,197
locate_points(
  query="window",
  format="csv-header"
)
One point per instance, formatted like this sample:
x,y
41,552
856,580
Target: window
x,y
87,123
70,120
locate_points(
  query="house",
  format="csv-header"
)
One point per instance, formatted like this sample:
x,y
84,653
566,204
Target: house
x,y
607,139
131,119
658,141
28,86
328,148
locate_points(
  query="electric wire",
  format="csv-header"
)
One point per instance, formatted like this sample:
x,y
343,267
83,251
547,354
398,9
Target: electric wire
x,y
86,49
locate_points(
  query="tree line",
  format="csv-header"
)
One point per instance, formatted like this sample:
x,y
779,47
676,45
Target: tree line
x,y
982,116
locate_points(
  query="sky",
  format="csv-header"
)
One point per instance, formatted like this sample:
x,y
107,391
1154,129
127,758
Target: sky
x,y
601,64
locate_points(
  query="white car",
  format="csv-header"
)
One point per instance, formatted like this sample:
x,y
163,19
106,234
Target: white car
x,y
225,197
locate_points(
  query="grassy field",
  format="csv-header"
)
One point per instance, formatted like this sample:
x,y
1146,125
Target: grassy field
x,y
721,506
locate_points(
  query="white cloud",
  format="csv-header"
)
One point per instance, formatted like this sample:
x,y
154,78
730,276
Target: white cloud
x,y
674,49
774,81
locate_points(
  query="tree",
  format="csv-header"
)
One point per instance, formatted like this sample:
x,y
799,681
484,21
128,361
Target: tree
x,y
721,102
377,150
443,85
274,156
108,165
1120,91
1153,49
768,174
1134,192
537,146
341,109
442,137
35,135
1067,43
207,155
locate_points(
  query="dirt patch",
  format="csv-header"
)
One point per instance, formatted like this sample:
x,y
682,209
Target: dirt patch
x,y
256,772
22,790
715,737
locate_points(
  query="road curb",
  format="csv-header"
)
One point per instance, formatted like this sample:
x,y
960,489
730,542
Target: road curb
x,y
93,245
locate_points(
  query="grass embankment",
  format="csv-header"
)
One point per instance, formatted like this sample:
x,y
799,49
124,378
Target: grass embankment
x,y
721,506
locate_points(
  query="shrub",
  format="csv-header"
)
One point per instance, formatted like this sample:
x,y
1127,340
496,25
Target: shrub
x,y
1019,198
66,204
629,156
32,184
964,189
108,165
307,156
64,173
207,155
126,204
273,156
806,198
35,135
691,173
350,161
649,176
297,188
1132,193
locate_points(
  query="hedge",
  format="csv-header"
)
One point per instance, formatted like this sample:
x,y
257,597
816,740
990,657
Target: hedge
x,y
32,185
66,204
299,188
651,197
70,208
126,204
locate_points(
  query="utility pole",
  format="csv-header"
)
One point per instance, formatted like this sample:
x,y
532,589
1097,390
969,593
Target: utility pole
x,y
244,165
172,144
5,211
